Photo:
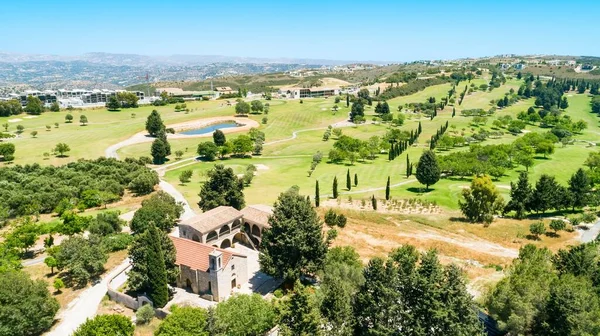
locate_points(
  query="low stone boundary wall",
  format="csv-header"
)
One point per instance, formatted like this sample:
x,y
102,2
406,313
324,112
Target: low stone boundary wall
x,y
131,302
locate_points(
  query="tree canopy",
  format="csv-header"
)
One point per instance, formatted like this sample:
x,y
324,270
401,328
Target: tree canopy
x,y
294,244
428,170
26,306
222,188
104,325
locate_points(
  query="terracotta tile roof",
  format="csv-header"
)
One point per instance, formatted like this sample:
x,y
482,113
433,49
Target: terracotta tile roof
x,y
213,219
258,214
195,255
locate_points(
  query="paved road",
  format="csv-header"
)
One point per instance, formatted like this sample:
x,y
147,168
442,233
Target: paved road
x,y
590,234
85,305
171,190
31,262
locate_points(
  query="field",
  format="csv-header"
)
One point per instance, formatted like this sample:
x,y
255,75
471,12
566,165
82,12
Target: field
x,y
294,133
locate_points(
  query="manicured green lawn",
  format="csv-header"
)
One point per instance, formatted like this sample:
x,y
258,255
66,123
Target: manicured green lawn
x,y
288,162
104,129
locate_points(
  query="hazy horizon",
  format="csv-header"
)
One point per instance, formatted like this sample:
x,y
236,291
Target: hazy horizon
x,y
335,30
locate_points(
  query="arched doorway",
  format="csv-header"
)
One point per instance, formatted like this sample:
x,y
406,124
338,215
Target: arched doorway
x,y
247,228
226,243
188,285
255,231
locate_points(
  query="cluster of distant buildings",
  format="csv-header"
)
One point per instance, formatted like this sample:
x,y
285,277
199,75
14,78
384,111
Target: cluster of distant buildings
x,y
74,98
196,95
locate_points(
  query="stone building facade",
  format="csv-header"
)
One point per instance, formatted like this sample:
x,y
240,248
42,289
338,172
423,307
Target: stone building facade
x,y
208,271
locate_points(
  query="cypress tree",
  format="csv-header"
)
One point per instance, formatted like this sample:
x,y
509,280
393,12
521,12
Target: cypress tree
x,y
355,179
348,180
387,190
374,202
420,129
347,100
390,153
335,187
453,112
407,166
317,194
149,257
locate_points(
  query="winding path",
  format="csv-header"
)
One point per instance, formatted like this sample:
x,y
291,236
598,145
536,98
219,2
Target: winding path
x,y
591,233
85,305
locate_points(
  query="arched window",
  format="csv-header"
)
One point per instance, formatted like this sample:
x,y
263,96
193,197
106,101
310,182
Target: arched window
x,y
224,230
213,235
236,224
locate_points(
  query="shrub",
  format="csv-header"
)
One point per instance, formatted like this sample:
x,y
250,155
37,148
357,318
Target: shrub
x,y
145,314
116,242
278,293
588,217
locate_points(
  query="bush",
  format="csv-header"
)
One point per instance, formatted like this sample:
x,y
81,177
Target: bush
x,y
588,217
116,242
537,228
145,314
111,324
278,293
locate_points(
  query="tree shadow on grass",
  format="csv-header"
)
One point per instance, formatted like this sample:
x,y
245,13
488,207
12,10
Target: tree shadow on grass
x,y
552,234
532,237
419,190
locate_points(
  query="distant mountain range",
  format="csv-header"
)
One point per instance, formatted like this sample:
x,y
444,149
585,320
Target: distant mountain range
x,y
172,60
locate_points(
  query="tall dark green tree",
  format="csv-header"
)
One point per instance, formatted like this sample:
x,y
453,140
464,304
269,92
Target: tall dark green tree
x,y
407,166
335,187
154,123
294,244
545,194
573,308
428,170
148,273
158,151
317,197
355,179
222,188
348,180
580,187
300,315
520,195
427,299
219,138
387,189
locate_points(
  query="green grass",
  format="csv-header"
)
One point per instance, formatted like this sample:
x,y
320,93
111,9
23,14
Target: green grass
x,y
104,129
288,161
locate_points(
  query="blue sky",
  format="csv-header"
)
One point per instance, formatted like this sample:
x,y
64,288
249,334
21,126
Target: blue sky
x,y
342,30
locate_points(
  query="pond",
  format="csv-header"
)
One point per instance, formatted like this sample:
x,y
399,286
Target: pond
x,y
210,128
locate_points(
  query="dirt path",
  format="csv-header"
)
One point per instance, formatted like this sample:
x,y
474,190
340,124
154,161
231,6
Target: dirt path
x,y
475,244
